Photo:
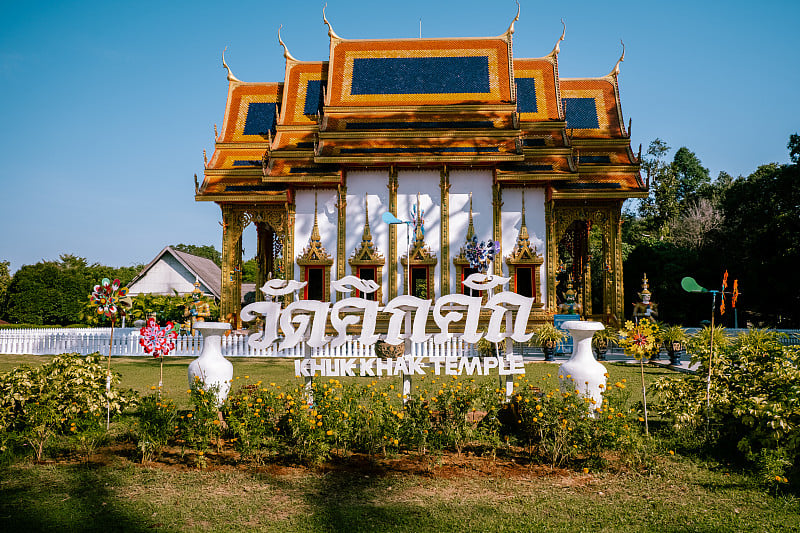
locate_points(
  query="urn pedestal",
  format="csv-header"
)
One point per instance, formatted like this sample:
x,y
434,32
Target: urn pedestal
x,y
582,372
211,368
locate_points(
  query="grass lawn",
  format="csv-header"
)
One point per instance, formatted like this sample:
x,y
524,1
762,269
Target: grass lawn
x,y
480,495
141,373
405,492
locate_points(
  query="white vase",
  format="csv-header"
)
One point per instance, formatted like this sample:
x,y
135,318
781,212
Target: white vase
x,y
211,368
582,372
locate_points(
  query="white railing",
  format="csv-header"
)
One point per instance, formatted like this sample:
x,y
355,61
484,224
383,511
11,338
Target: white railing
x,y
52,341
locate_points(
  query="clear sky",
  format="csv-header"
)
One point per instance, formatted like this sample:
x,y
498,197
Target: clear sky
x,y
106,107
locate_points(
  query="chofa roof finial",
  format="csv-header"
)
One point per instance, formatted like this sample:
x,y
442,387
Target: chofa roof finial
x,y
286,53
615,70
331,33
510,29
231,77
557,47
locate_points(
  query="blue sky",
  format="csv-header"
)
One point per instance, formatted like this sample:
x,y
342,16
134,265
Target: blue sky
x,y
106,107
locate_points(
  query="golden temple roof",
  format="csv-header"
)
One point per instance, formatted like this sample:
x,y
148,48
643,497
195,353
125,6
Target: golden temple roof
x,y
378,102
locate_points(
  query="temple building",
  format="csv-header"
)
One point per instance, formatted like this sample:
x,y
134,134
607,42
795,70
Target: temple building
x,y
459,138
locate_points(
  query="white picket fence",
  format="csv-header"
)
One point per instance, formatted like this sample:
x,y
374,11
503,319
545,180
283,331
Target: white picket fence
x,y
52,341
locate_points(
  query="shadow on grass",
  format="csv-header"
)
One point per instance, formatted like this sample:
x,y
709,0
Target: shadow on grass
x,y
66,498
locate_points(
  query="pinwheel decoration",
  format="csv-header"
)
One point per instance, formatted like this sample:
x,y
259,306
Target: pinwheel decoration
x,y
156,340
481,254
109,298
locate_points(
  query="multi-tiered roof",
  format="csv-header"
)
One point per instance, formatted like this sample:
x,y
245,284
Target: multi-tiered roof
x,y
423,102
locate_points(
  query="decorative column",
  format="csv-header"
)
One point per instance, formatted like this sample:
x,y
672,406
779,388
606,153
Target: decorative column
x,y
444,241
619,297
392,233
232,226
288,243
497,236
551,252
341,232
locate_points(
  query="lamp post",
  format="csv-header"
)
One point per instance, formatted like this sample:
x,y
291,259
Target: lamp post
x,y
390,219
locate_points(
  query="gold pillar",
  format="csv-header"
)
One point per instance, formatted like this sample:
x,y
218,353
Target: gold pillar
x,y
444,241
551,255
263,255
341,232
497,236
232,227
392,234
288,241
619,297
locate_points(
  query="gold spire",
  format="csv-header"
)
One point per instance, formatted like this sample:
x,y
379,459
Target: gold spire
x,y
419,233
315,237
644,285
615,71
366,238
286,53
314,252
231,77
557,47
470,228
331,33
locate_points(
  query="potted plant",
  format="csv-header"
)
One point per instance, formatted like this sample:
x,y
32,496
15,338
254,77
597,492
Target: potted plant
x,y
674,339
600,341
548,337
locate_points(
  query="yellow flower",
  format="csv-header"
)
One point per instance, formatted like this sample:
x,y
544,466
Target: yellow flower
x,y
329,432
585,470
672,452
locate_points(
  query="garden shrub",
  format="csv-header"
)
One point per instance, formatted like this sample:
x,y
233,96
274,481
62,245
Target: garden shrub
x,y
559,427
155,425
66,396
201,427
754,398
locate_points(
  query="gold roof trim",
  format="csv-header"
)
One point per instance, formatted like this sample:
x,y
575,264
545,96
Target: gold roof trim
x,y
231,77
450,109
392,158
420,133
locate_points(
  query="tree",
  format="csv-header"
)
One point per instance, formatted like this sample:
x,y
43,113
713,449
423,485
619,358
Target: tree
x,y
55,292
794,148
661,205
690,174
209,252
691,229
5,279
761,242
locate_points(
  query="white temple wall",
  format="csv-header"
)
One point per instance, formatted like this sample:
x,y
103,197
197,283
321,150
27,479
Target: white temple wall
x,y
374,183
304,222
511,218
462,182
426,183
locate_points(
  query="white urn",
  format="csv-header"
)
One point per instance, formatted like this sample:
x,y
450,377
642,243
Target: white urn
x,y
211,368
582,372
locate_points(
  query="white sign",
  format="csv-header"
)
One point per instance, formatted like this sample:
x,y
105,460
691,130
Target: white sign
x,y
306,321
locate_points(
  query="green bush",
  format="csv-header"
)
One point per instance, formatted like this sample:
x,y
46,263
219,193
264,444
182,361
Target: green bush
x,y
754,397
66,396
155,425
